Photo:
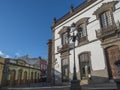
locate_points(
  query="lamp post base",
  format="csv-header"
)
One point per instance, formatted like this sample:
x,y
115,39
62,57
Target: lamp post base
x,y
75,85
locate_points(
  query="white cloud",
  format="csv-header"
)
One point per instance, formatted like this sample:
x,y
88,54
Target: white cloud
x,y
17,54
4,55
1,53
7,56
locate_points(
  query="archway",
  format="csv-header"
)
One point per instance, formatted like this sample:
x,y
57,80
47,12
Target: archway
x,y
12,78
19,77
25,77
31,77
38,77
35,77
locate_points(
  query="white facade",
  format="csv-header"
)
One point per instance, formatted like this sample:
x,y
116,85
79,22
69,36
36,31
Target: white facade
x,y
97,58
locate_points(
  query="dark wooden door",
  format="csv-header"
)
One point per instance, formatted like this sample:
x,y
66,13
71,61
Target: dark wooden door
x,y
19,78
12,78
25,77
113,54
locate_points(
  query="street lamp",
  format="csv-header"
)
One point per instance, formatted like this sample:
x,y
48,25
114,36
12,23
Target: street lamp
x,y
72,35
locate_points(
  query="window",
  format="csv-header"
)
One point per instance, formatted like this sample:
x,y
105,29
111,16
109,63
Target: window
x,y
104,13
83,30
82,26
105,19
84,62
63,35
65,70
64,38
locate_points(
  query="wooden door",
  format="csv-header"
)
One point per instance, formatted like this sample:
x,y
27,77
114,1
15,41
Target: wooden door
x,y
19,77
113,54
31,77
12,78
25,77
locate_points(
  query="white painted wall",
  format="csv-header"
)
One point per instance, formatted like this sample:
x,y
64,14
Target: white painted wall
x,y
97,55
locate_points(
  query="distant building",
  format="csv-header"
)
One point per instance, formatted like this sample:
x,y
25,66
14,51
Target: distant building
x,y
2,62
43,67
20,72
98,47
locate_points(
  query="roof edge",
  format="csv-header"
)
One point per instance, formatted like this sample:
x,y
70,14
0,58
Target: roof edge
x,y
68,15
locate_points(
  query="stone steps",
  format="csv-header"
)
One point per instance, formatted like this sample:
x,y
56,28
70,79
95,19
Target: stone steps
x,y
102,86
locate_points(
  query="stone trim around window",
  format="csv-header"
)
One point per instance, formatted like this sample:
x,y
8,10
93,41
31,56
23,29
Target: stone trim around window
x,y
85,22
110,6
82,21
63,30
105,6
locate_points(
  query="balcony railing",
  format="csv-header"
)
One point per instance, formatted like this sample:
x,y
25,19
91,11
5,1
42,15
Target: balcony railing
x,y
108,31
82,39
63,48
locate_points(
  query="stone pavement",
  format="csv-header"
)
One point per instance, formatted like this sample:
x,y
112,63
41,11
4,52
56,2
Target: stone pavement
x,y
56,88
45,86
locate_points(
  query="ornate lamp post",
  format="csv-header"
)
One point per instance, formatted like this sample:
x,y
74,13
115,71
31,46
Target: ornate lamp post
x,y
75,84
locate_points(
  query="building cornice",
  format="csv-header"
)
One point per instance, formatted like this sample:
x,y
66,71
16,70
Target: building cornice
x,y
69,14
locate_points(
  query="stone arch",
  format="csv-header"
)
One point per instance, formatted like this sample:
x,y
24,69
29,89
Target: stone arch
x,y
20,77
31,77
38,77
25,77
12,78
35,77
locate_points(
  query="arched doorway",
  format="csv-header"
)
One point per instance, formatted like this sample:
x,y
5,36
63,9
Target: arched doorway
x,y
19,77
25,77
35,77
31,77
38,77
112,55
12,78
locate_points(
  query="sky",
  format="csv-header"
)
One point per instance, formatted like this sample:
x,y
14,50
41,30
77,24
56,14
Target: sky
x,y
25,25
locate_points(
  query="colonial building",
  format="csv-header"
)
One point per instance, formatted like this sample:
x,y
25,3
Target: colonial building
x,y
2,62
97,48
19,72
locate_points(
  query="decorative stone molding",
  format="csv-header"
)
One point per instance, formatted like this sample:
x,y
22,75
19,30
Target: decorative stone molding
x,y
64,48
105,6
65,55
76,10
82,20
63,30
110,31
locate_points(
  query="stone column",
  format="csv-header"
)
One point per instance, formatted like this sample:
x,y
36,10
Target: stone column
x,y
49,68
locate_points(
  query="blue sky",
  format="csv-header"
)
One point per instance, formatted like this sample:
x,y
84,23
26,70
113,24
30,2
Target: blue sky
x,y
25,25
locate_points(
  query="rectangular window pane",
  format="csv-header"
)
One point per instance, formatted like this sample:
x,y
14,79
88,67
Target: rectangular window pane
x,y
106,19
109,18
103,20
64,39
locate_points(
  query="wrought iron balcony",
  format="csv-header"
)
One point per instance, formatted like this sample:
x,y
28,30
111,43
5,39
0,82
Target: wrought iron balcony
x,y
108,31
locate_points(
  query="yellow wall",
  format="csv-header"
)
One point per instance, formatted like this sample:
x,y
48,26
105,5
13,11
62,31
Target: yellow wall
x,y
1,68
